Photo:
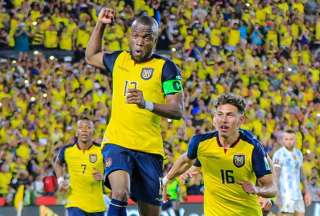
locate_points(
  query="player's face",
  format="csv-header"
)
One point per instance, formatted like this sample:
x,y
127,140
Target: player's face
x,y
85,130
227,120
289,140
142,42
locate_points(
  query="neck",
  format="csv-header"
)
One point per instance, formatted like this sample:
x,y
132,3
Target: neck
x,y
227,141
84,145
289,148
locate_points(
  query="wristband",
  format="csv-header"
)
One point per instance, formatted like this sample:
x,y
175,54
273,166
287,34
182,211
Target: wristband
x,y
149,105
165,180
60,180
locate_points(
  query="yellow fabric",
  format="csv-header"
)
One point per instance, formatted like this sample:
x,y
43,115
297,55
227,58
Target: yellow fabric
x,y
222,195
18,199
51,39
5,180
24,152
82,38
234,37
66,41
215,39
83,187
130,126
318,30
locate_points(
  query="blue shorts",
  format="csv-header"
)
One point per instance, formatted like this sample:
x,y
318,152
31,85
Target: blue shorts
x,y
74,211
145,171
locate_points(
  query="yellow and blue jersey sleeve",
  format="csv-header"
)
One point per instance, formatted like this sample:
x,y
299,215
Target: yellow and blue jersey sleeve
x,y
129,126
109,60
194,144
171,78
260,162
61,154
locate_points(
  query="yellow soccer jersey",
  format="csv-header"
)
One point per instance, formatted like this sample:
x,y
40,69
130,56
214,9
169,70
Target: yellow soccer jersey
x,y
222,168
85,192
129,126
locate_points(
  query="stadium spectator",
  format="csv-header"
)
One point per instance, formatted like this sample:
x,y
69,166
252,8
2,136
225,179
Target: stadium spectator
x,y
22,38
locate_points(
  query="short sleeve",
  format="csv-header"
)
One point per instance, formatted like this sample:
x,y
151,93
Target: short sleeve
x,y
193,148
171,78
260,163
61,155
109,60
276,159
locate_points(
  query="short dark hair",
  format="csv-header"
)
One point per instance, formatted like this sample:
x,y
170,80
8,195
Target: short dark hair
x,y
232,99
289,131
147,21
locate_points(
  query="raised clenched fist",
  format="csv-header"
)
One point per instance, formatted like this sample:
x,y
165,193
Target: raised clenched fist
x,y
106,15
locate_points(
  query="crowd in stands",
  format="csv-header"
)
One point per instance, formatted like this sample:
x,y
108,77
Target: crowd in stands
x,y
264,50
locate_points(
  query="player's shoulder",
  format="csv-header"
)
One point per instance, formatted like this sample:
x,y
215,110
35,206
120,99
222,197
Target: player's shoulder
x,y
67,146
298,152
202,137
64,150
161,57
97,145
114,54
167,61
250,138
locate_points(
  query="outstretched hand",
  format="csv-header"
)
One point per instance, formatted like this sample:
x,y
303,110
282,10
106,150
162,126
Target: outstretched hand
x,y
63,187
248,187
97,175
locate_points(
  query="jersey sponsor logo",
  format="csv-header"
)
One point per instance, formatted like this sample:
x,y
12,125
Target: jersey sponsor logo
x,y
239,160
146,73
93,158
108,162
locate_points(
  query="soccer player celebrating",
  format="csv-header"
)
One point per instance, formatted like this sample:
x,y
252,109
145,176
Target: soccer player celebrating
x,y
84,162
146,87
234,165
288,162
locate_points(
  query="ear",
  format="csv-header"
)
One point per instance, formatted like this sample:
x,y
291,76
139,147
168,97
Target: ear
x,y
242,118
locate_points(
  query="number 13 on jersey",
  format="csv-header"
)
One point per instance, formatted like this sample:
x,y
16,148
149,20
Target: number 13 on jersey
x,y
129,85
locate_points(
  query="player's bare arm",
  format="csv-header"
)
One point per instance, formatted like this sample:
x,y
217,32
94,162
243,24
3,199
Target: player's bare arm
x,y
192,171
94,53
265,187
179,167
173,108
97,175
63,184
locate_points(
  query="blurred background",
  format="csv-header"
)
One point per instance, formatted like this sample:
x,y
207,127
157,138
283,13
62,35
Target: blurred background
x,y
268,51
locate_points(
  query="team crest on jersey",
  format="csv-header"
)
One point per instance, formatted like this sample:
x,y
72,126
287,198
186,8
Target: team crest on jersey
x,y
93,158
108,162
239,160
146,73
